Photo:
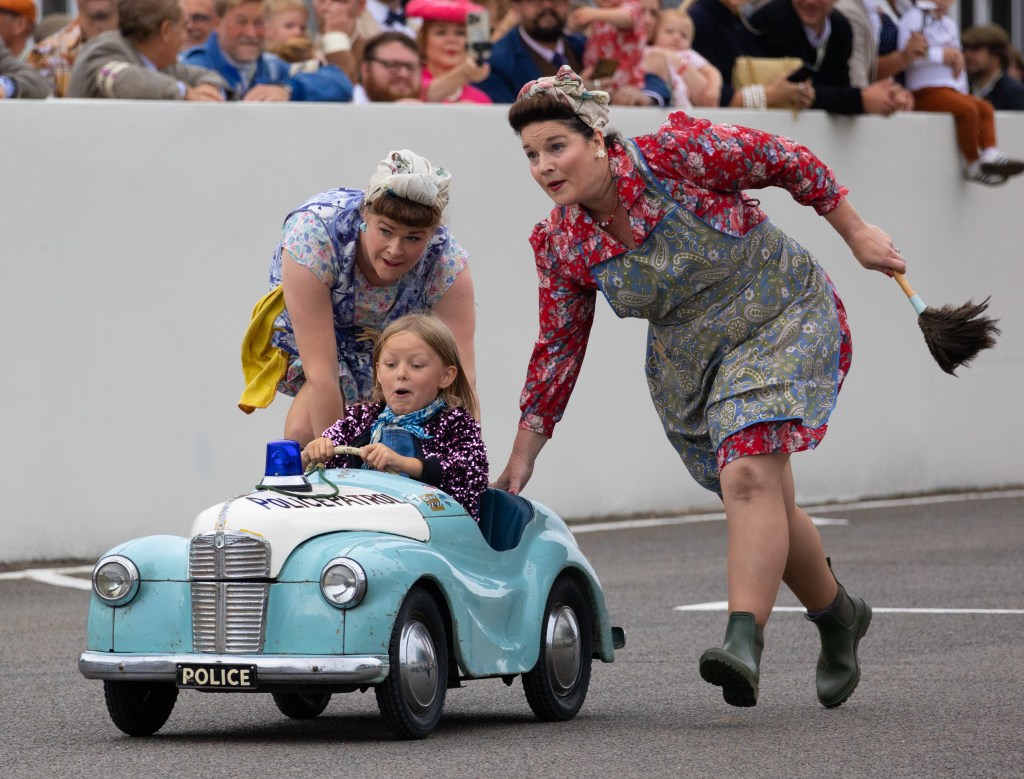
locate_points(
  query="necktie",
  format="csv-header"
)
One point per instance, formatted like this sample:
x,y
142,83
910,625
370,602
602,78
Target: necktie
x,y
395,17
558,60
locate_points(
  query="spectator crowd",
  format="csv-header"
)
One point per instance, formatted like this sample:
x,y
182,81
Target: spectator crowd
x,y
841,56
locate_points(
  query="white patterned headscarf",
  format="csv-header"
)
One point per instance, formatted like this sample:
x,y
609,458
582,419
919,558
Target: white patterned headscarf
x,y
566,86
406,174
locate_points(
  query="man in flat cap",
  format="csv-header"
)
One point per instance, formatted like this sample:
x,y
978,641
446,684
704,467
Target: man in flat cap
x,y
986,57
17,21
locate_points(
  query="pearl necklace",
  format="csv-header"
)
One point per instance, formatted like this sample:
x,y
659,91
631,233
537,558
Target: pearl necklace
x,y
615,209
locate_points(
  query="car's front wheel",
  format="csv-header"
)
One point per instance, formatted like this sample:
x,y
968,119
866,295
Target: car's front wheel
x,y
412,696
139,708
557,685
301,705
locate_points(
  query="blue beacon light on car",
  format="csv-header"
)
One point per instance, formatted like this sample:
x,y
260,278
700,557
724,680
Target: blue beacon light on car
x,y
284,466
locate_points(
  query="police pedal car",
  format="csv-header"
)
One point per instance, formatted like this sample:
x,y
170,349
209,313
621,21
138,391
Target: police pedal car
x,y
342,581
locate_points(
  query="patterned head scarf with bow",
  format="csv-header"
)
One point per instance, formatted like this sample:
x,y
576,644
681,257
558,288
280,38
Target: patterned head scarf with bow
x,y
404,173
566,86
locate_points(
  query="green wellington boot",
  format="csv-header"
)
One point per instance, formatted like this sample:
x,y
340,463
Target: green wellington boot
x,y
736,666
842,627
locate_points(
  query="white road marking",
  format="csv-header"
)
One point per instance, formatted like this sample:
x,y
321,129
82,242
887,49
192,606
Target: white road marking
x,y
721,605
61,577
689,519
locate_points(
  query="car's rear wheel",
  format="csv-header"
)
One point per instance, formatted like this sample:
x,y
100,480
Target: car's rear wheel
x,y
139,708
412,696
301,705
557,685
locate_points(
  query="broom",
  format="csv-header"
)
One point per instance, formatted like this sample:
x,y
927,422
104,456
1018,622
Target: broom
x,y
954,334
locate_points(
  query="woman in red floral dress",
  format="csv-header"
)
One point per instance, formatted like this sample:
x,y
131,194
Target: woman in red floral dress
x,y
747,346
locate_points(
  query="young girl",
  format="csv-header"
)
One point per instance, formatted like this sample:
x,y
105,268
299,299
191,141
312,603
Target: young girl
x,y
421,423
618,34
940,85
694,80
286,20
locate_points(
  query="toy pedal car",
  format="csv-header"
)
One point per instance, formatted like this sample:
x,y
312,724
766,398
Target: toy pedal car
x,y
347,580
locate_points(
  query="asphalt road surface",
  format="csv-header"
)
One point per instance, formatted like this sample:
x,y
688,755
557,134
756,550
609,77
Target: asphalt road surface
x,y
941,693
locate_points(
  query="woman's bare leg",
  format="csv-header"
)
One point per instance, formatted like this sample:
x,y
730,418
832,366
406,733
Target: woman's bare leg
x,y
758,527
807,573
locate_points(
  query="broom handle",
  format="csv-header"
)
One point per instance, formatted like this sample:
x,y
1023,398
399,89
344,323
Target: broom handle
x,y
915,300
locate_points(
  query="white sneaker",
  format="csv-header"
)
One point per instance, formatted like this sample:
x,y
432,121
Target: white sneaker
x,y
976,172
996,162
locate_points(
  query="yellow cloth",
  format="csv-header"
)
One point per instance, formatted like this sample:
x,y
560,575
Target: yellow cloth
x,y
263,365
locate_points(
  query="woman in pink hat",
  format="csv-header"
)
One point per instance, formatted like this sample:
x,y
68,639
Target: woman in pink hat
x,y
449,70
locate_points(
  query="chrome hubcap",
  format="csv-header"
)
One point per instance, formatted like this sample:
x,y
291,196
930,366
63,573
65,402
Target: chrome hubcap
x,y
563,643
417,660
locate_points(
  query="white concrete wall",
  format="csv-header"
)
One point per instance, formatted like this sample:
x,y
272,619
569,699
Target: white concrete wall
x,y
135,240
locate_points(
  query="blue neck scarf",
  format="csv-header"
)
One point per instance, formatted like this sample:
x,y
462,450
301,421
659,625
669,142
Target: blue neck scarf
x,y
411,423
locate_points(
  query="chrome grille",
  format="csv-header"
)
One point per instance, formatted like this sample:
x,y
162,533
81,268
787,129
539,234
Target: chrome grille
x,y
228,616
228,556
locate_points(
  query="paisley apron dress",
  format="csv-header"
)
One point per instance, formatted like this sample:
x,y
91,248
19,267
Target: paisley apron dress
x,y
742,330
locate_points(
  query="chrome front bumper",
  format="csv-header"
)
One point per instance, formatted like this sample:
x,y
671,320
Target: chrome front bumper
x,y
270,669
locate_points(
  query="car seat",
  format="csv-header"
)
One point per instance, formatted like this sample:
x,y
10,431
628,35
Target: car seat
x,y
503,518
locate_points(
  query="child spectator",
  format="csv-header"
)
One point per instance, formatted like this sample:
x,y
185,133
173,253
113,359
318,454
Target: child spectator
x,y
939,85
421,423
286,20
694,80
618,35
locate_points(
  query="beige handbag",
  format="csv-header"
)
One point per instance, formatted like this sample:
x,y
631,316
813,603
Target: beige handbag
x,y
762,70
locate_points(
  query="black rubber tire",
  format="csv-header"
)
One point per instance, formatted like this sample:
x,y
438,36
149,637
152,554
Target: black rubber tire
x,y
411,701
301,705
557,686
139,708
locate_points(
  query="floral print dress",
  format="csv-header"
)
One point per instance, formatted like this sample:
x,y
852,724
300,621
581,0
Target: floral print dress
x,y
747,344
322,235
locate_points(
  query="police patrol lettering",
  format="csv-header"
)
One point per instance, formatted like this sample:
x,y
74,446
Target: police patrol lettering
x,y
295,502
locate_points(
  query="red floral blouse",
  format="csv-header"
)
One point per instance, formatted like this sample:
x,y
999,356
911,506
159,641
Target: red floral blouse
x,y
705,167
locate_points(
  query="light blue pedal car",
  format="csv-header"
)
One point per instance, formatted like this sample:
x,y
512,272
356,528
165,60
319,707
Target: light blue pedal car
x,y
348,580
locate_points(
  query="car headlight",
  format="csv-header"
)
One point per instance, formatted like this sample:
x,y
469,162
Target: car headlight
x,y
115,580
343,582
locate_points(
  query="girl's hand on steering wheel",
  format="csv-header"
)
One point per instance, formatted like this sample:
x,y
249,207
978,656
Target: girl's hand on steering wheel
x,y
317,452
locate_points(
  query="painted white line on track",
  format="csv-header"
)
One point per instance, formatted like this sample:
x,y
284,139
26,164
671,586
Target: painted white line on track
x,y
690,519
62,577
59,577
721,605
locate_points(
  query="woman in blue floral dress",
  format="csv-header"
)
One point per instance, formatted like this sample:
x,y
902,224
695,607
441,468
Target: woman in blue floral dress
x,y
747,346
349,262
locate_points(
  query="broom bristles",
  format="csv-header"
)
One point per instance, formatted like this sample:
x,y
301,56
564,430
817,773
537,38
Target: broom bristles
x,y
955,334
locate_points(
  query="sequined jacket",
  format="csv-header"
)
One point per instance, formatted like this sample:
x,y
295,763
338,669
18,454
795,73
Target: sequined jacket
x,y
454,457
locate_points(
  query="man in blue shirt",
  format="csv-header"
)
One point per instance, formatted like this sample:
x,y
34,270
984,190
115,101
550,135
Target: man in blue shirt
x,y
236,52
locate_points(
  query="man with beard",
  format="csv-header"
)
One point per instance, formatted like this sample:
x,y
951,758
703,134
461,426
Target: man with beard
x,y
55,55
390,71
986,58
538,46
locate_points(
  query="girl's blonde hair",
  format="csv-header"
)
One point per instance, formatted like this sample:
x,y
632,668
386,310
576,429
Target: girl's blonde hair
x,y
439,338
272,7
